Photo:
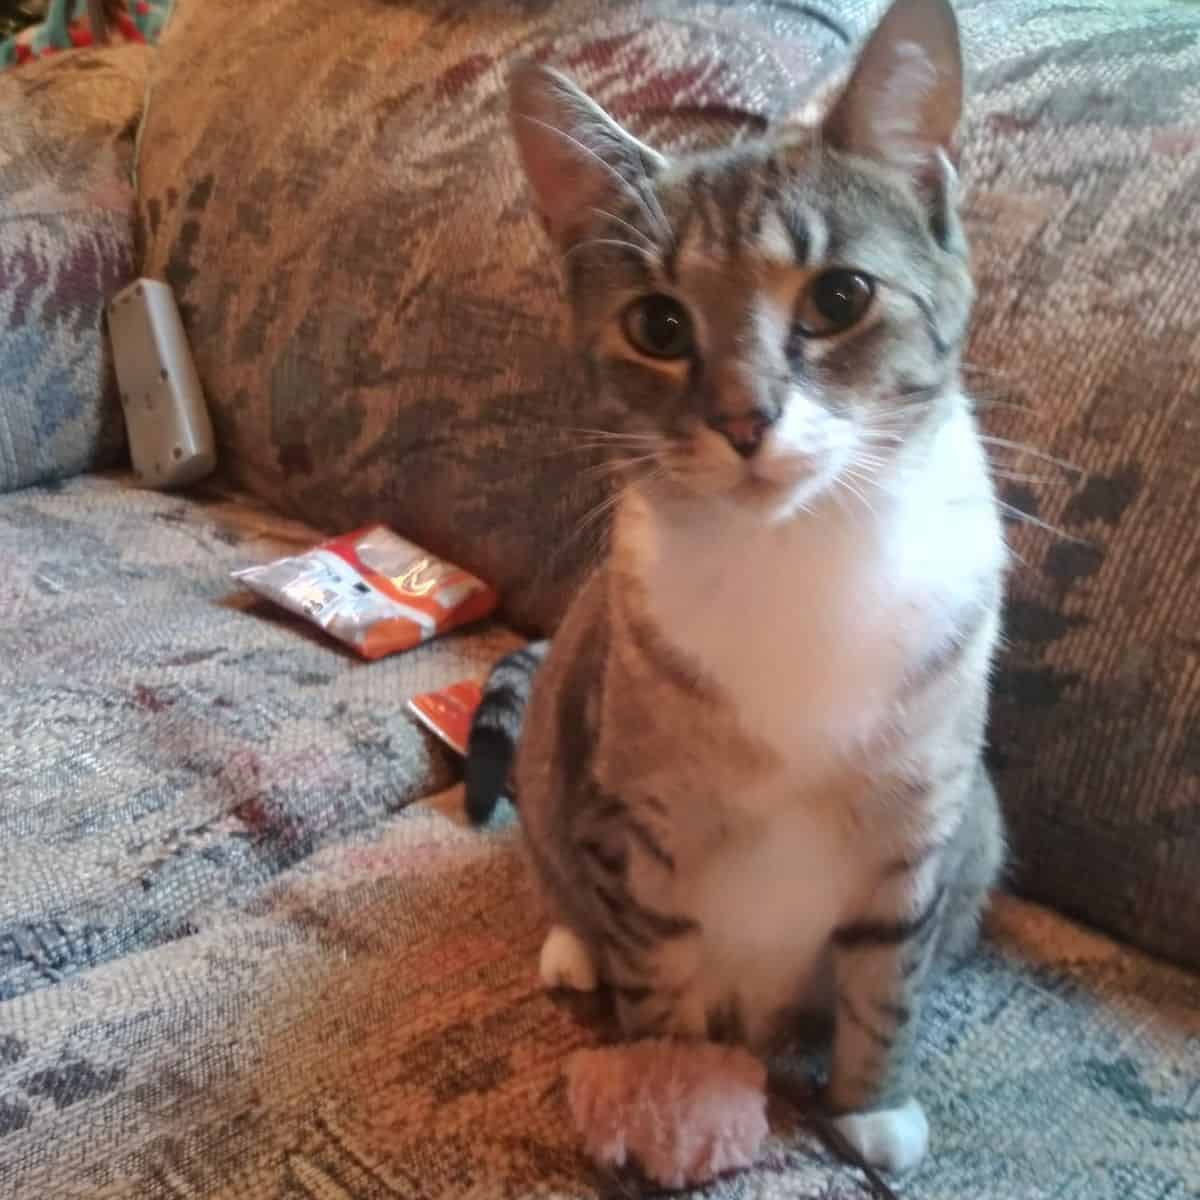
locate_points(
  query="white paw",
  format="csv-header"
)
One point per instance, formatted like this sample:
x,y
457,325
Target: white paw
x,y
566,962
893,1139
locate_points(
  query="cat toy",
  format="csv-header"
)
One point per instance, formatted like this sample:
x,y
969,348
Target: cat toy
x,y
684,1113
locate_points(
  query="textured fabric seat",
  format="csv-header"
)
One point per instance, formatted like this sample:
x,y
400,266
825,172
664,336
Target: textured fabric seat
x,y
370,1025
168,744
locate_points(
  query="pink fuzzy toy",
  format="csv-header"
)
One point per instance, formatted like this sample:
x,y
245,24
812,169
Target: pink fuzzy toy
x,y
686,1112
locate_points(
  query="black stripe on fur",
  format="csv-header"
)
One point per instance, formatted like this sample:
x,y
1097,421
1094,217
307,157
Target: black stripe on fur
x,y
871,933
496,727
490,754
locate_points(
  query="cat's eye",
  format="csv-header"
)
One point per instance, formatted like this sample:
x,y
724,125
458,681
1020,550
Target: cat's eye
x,y
835,300
659,327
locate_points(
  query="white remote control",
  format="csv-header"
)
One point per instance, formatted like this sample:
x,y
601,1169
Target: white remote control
x,y
170,433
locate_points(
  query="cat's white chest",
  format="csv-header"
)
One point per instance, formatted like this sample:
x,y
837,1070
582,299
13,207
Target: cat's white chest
x,y
798,626
809,626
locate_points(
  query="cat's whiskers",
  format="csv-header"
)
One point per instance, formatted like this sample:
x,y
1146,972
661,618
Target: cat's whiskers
x,y
1020,448
1000,472
980,369
606,215
842,480
1003,377
1020,515
612,435
589,242
664,224
862,459
981,400
616,466
593,519
616,447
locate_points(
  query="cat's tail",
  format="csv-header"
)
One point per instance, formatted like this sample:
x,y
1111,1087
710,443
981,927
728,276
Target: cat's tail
x,y
495,729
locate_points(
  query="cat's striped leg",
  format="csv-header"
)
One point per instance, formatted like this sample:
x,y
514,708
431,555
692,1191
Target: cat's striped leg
x,y
881,960
672,1001
655,967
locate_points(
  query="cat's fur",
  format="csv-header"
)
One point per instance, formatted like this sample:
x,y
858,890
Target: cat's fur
x,y
750,773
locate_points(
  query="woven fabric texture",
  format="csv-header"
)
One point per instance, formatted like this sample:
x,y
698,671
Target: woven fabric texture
x,y
375,315
372,304
370,1028
168,743
66,245
1082,162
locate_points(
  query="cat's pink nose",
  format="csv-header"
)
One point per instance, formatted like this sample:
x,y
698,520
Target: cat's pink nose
x,y
744,433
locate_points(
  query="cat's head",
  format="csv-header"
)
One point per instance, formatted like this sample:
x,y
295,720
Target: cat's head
x,y
769,321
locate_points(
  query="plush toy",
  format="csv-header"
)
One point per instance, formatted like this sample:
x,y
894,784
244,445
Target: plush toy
x,y
685,1112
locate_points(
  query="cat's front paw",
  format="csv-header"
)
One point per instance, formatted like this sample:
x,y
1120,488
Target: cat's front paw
x,y
566,962
893,1139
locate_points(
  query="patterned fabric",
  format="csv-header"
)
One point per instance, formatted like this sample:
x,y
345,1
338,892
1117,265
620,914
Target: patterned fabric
x,y
167,742
374,315
16,15
1082,160
66,244
370,1026
67,26
372,305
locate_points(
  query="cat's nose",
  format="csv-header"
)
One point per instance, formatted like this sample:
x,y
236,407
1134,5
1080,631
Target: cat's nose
x,y
744,433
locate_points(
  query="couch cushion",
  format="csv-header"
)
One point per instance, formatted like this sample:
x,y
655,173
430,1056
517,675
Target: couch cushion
x,y
167,744
66,244
1082,159
372,1027
372,305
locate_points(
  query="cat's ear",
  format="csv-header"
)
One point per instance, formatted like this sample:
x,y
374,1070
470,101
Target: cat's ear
x,y
903,100
574,154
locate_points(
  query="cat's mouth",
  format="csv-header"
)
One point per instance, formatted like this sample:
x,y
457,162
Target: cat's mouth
x,y
793,472
786,471
775,477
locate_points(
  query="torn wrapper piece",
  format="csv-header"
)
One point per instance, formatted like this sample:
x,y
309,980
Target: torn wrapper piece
x,y
448,713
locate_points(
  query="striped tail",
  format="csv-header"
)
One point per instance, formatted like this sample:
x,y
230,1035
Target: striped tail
x,y
496,728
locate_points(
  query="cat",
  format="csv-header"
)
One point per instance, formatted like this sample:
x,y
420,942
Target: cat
x,y
749,770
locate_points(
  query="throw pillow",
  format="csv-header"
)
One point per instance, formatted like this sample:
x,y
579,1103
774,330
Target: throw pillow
x,y
66,245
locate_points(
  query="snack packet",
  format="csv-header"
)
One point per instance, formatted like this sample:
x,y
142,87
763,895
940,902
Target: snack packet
x,y
373,590
448,713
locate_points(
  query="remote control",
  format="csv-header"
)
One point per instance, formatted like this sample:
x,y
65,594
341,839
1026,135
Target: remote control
x,y
170,433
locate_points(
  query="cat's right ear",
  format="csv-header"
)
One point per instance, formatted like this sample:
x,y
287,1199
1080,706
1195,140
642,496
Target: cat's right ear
x,y
574,154
903,100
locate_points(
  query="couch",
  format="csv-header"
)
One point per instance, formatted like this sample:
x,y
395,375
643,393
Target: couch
x,y
249,947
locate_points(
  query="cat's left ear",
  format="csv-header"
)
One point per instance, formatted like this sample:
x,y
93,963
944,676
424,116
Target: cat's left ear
x,y
902,103
574,154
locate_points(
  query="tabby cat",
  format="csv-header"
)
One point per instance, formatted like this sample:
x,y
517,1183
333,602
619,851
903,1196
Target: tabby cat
x,y
750,771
